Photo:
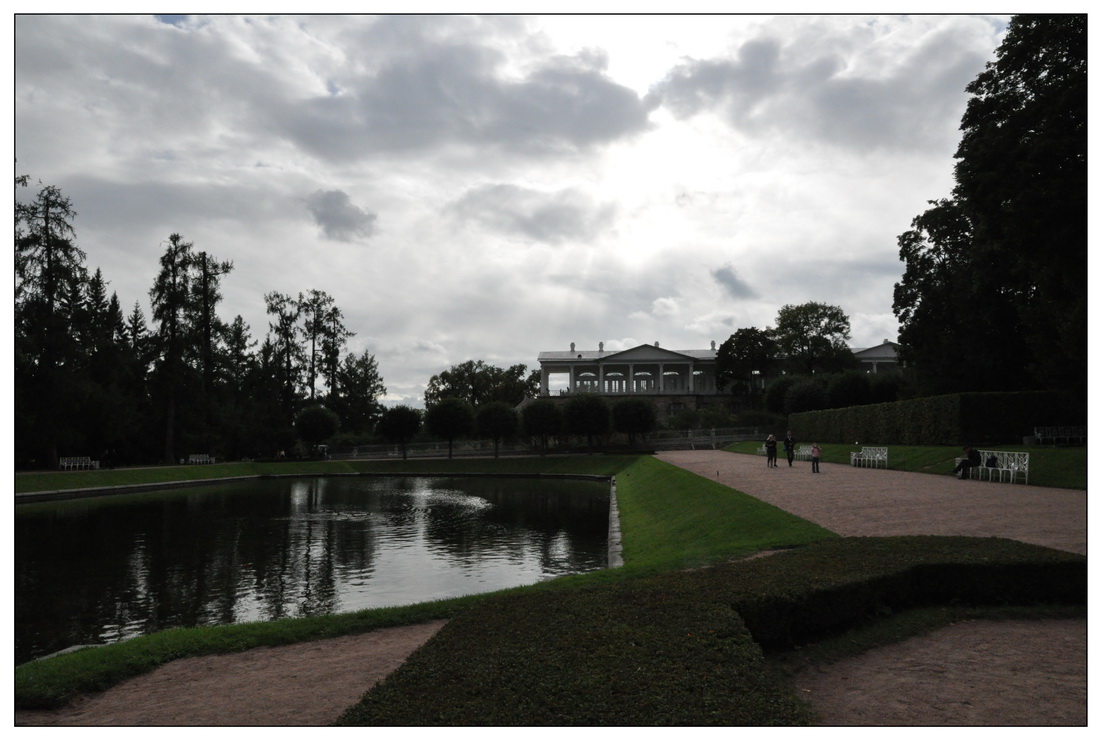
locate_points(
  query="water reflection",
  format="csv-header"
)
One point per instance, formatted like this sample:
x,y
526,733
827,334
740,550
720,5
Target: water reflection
x,y
100,570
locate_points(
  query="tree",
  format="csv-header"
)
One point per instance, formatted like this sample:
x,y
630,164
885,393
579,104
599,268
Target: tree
x,y
315,424
399,425
205,295
634,417
170,296
478,383
239,360
361,387
939,319
1003,258
588,416
812,337
325,336
498,421
287,355
746,356
448,419
49,268
542,419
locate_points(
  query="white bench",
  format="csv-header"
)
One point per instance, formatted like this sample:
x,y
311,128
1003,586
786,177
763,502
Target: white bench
x,y
77,463
802,453
200,458
1055,434
869,457
1008,465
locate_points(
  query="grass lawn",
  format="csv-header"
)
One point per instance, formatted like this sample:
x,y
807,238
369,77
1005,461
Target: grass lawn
x,y
601,465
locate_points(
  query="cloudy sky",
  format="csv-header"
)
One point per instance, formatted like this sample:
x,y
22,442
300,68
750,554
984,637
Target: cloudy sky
x,y
488,188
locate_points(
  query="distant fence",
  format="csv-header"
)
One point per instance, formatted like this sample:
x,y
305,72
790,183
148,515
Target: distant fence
x,y
703,439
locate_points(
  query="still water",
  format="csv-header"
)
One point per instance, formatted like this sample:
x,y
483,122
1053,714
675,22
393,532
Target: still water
x,y
105,569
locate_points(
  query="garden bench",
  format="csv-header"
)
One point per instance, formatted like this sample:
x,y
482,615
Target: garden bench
x,y
200,458
1055,434
802,453
1009,465
76,463
869,457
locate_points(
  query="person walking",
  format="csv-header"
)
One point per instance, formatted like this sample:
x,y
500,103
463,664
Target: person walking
x,y
815,455
789,448
770,451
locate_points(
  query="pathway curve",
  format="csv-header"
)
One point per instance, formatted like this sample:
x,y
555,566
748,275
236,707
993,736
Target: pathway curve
x,y
876,501
975,673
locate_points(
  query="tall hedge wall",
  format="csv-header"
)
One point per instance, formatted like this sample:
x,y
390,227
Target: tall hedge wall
x,y
952,419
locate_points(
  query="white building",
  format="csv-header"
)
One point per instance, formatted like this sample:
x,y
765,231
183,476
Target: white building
x,y
651,370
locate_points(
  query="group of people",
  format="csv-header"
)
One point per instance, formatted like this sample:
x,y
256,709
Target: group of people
x,y
789,449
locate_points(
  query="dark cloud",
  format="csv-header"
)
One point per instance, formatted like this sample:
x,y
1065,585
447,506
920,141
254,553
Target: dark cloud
x,y
544,217
728,278
457,95
339,218
768,86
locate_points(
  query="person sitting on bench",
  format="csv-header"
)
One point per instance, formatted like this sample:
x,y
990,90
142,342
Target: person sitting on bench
x,y
971,460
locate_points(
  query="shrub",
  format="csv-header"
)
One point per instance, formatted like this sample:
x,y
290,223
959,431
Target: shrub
x,y
775,393
849,389
805,395
315,424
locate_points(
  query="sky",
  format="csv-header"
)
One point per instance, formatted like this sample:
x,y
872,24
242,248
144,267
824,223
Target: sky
x,y
487,188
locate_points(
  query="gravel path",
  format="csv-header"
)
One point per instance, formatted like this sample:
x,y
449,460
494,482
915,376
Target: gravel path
x,y
876,501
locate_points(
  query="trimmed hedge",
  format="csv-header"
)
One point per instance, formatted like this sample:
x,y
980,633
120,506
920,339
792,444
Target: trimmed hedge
x,y
807,593
687,648
952,419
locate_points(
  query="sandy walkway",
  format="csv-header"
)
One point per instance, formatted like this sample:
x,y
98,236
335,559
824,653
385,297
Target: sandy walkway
x,y
976,673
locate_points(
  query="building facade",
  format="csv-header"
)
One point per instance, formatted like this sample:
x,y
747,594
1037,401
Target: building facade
x,y
674,380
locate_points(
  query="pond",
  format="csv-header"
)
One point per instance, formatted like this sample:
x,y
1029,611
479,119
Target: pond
x,y
109,568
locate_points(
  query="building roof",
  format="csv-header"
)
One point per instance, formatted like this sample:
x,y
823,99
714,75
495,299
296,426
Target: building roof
x,y
644,353
885,350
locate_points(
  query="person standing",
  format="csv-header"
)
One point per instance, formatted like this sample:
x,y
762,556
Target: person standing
x,y
770,451
789,448
815,455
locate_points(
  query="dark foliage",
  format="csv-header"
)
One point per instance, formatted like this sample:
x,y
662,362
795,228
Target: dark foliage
x,y
994,293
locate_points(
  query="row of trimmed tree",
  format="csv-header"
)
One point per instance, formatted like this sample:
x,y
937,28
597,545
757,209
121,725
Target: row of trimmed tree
x,y
542,421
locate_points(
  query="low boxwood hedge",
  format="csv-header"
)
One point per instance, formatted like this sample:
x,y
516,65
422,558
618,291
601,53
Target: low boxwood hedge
x,y
687,648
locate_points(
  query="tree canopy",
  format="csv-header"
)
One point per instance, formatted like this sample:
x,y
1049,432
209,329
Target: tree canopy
x,y
744,356
450,418
477,383
994,291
